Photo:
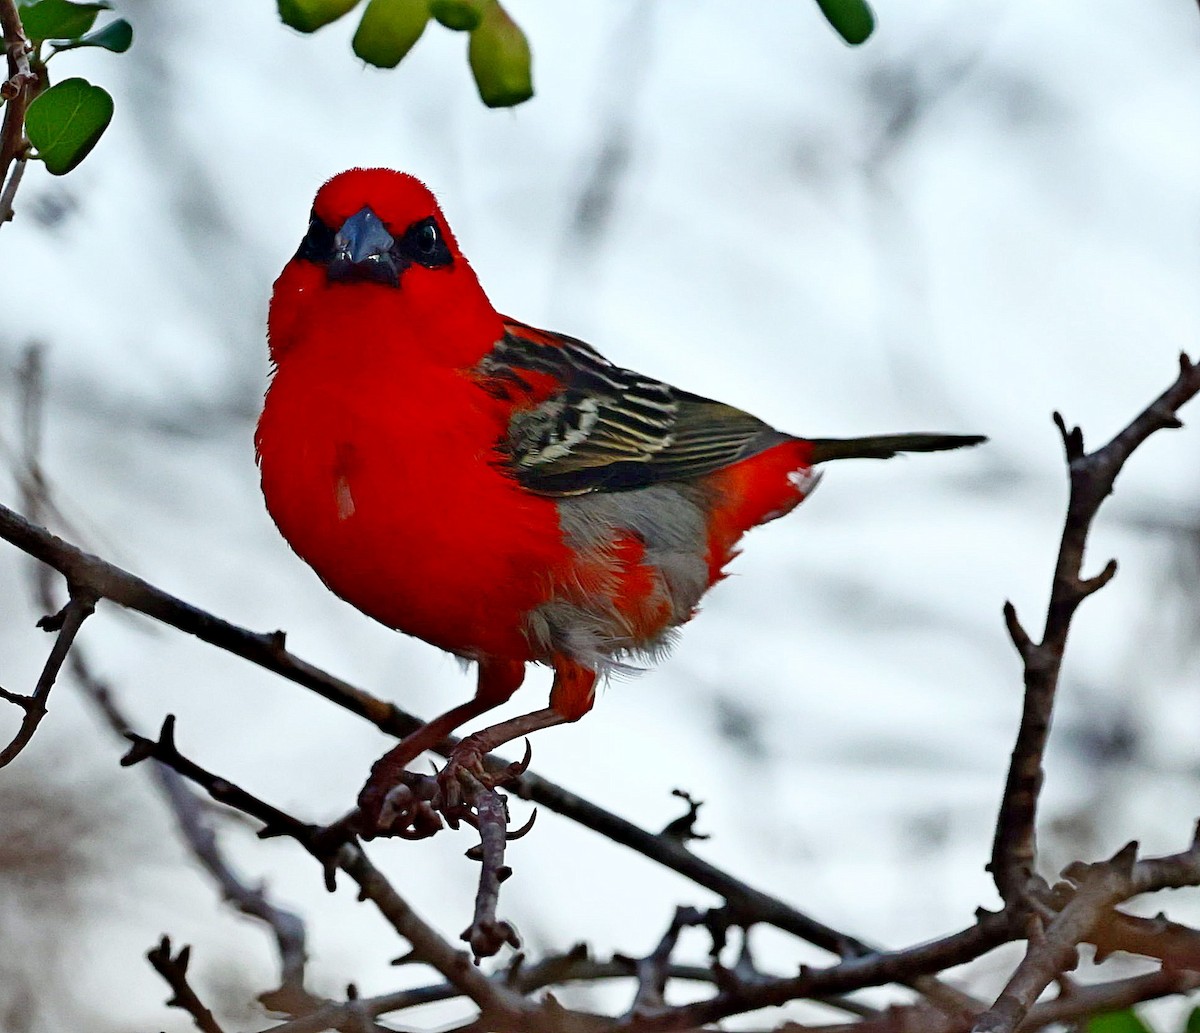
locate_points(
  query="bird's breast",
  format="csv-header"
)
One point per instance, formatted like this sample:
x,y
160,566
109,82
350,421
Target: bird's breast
x,y
392,490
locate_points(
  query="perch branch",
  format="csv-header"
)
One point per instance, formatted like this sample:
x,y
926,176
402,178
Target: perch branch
x,y
496,1002
267,650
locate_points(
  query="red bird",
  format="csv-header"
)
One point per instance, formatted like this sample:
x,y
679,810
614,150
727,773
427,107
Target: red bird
x,y
502,492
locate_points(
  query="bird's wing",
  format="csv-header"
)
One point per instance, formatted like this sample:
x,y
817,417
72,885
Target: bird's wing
x,y
581,424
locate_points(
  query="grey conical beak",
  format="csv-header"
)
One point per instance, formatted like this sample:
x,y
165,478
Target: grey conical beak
x,y
362,250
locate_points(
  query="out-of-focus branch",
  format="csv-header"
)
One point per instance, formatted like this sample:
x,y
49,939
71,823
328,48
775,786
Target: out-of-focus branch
x,y
18,90
654,969
188,808
1014,849
252,901
174,971
67,623
1177,946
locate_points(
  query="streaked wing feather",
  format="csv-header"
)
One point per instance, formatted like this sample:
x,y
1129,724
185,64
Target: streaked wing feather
x,y
610,429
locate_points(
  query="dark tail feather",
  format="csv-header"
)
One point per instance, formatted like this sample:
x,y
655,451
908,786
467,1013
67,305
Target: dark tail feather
x,y
887,445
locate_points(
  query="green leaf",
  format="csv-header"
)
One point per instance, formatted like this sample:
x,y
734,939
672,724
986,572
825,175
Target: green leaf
x,y
389,29
65,122
1193,1022
60,19
851,19
1117,1022
115,36
500,60
310,15
461,15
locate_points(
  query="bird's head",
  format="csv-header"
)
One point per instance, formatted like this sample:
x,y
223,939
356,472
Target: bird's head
x,y
378,252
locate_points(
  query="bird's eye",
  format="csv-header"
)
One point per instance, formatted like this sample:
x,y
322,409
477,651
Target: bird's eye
x,y
427,238
424,244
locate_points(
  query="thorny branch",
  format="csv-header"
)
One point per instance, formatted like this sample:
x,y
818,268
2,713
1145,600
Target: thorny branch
x,y
1053,920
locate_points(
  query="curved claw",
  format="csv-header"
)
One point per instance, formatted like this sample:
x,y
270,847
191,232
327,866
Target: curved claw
x,y
517,768
524,829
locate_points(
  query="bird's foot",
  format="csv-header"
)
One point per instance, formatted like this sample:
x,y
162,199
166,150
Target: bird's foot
x,y
412,805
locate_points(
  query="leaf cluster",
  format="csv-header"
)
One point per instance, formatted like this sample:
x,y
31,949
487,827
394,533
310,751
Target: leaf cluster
x,y
65,121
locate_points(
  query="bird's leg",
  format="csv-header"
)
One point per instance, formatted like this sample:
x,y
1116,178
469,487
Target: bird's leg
x,y
571,696
498,680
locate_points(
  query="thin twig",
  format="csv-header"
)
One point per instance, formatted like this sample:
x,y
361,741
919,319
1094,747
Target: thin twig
x,y
1014,849
18,90
654,969
174,971
67,623
487,934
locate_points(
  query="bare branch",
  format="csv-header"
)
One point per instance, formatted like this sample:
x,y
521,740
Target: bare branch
x,y
1014,849
1176,946
1055,952
1085,1001
494,1001
903,966
654,969
1100,887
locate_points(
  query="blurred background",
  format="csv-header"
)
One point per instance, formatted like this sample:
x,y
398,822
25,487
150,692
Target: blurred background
x,y
988,212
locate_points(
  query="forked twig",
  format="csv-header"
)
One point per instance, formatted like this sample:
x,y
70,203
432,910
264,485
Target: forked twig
x,y
67,623
174,971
